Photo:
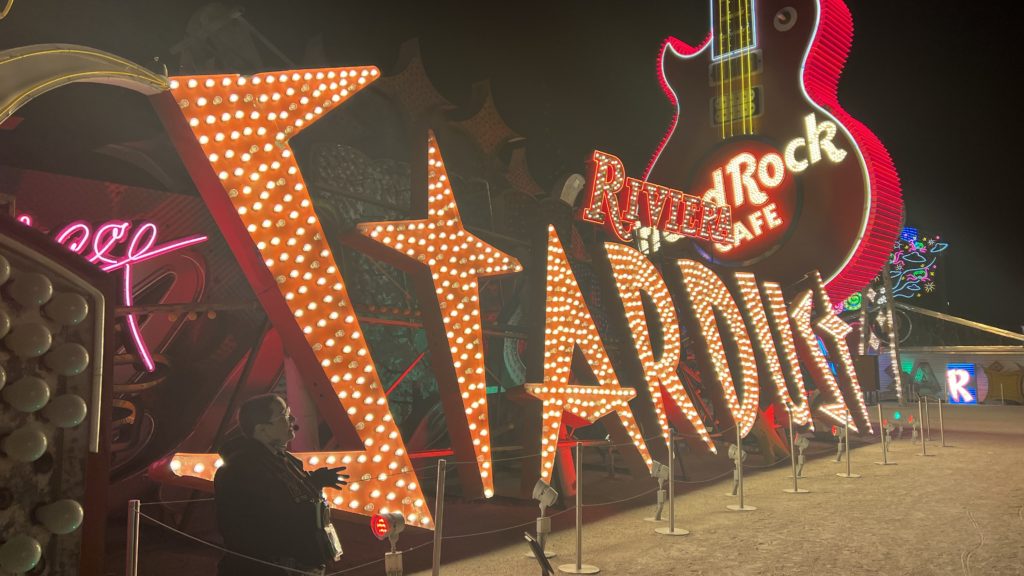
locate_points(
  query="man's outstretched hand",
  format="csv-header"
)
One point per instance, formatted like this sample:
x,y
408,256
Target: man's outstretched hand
x,y
329,477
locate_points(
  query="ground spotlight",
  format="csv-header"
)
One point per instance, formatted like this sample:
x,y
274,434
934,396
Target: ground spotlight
x,y
546,496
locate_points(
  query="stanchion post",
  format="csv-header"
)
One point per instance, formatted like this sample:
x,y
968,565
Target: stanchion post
x,y
927,419
942,428
920,419
739,461
741,507
796,489
131,565
439,515
846,437
671,530
579,567
885,439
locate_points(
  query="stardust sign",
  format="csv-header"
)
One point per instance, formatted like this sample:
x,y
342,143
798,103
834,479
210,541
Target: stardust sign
x,y
233,133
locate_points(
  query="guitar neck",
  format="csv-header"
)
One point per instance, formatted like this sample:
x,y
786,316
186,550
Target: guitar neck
x,y
735,68
734,29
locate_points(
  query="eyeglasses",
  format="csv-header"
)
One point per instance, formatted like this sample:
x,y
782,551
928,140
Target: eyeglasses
x,y
286,414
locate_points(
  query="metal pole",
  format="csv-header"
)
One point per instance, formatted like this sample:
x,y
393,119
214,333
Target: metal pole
x,y
792,452
672,530
928,417
439,515
672,482
920,420
846,437
846,433
739,461
796,489
739,474
579,505
942,428
885,440
131,567
579,567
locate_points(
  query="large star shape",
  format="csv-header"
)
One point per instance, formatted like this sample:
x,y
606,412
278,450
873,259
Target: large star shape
x,y
456,260
570,325
240,126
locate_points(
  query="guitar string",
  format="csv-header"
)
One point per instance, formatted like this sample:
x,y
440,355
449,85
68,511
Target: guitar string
x,y
744,78
750,65
728,61
721,71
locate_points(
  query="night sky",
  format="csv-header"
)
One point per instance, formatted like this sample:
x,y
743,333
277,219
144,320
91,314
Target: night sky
x,y
934,80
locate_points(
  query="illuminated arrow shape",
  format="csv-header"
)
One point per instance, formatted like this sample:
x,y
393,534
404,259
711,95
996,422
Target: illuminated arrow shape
x,y
240,127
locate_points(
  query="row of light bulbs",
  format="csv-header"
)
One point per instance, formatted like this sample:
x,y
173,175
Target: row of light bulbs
x,y
242,125
568,324
262,179
634,274
455,259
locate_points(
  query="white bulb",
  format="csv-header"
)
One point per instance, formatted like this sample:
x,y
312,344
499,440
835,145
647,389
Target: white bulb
x,y
20,554
28,394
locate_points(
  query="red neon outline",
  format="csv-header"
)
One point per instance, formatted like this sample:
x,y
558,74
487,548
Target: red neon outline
x,y
404,374
825,60
683,49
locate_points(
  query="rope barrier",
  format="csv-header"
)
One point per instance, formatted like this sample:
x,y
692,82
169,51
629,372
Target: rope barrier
x,y
372,562
155,502
712,479
225,550
451,537
614,502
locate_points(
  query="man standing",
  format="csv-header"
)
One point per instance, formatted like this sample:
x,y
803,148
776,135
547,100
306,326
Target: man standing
x,y
268,507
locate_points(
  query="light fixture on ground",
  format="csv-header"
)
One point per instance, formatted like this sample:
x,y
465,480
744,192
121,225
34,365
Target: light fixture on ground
x,y
389,525
546,496
671,529
661,473
801,444
737,469
837,432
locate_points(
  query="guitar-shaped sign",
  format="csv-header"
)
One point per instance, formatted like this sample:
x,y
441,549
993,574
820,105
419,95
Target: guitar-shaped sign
x,y
758,126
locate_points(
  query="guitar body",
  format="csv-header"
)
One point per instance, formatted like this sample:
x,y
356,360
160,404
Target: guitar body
x,y
837,211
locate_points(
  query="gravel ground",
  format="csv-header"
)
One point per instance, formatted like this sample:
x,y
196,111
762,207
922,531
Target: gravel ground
x,y
959,512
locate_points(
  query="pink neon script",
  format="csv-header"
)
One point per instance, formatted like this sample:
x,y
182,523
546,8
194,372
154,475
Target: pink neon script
x,y
140,246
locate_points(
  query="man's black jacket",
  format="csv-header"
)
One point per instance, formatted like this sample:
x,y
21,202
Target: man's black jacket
x,y
258,514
